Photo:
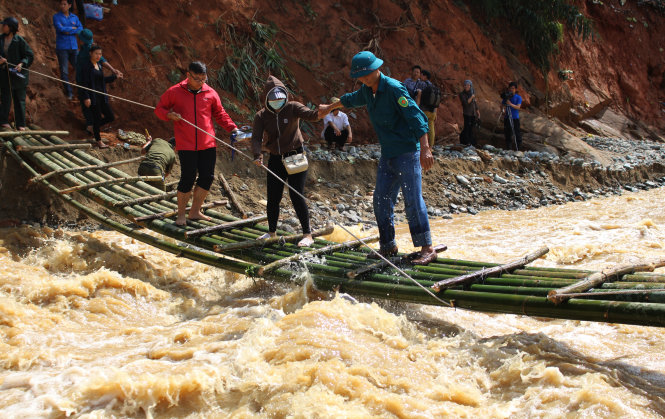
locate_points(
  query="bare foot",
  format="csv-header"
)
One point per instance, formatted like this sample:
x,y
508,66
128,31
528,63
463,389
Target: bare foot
x,y
22,128
6,126
181,221
199,216
101,144
306,241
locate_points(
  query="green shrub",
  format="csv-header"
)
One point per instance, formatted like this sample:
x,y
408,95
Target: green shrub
x,y
541,24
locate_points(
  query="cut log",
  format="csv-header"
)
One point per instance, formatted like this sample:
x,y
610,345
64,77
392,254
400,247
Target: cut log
x,y
143,200
111,182
273,240
494,271
395,260
35,132
232,196
331,248
226,226
167,214
85,168
558,296
58,147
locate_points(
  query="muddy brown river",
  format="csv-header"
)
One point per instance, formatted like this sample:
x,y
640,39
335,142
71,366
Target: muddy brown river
x,y
97,325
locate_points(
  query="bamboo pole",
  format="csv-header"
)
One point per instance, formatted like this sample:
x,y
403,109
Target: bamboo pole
x,y
330,248
232,195
59,147
35,132
226,226
398,260
167,214
85,168
328,276
274,240
497,270
558,296
144,199
110,182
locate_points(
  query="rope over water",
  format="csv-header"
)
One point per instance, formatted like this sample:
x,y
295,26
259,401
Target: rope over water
x,y
388,262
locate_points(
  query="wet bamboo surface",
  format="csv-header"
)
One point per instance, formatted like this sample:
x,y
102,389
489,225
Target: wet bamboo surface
x,y
520,291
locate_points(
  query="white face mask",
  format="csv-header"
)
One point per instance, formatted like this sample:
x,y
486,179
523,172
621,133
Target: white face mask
x,y
277,104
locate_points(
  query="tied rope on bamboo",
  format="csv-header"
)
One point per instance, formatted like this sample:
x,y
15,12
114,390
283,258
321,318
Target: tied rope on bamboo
x,y
377,254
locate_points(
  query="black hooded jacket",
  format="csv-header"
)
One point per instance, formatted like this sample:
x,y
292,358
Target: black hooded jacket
x,y
281,129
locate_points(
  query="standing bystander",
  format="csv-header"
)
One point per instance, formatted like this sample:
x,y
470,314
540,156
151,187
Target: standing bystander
x,y
470,112
428,108
15,57
336,128
82,59
414,85
94,97
402,130
67,26
511,104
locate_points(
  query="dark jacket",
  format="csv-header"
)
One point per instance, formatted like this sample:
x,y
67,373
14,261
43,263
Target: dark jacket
x,y
89,80
468,109
19,52
281,129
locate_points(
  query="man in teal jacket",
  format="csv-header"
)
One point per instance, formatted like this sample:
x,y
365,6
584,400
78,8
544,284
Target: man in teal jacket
x,y
15,57
402,130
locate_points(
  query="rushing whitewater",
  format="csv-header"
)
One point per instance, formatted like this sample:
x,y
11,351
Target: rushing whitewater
x,y
97,325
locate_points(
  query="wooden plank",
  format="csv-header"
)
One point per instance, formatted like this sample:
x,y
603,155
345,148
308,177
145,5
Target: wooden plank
x,y
331,248
35,132
226,226
484,273
85,168
232,196
110,182
394,260
57,147
558,296
274,240
143,200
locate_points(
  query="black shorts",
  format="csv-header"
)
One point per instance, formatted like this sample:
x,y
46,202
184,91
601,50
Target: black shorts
x,y
193,161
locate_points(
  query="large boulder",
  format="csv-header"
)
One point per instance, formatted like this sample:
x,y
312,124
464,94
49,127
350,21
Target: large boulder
x,y
548,134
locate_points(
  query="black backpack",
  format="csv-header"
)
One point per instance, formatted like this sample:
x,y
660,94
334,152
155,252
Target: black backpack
x,y
431,96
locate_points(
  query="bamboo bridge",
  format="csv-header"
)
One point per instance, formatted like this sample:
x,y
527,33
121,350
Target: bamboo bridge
x,y
625,294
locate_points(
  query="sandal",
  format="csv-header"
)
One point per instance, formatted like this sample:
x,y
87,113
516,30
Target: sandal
x,y
425,259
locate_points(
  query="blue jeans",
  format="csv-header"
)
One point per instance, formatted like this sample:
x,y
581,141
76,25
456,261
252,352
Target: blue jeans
x,y
403,172
65,57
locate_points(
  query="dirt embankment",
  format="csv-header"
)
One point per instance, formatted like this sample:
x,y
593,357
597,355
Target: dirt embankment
x,y
152,41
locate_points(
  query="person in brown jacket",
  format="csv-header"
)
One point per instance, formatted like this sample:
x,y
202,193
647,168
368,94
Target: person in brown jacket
x,y
279,123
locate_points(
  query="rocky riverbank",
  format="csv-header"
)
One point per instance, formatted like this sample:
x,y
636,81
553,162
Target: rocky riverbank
x,y
469,180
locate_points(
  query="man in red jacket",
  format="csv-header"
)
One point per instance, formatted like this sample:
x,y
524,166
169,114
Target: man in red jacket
x,y
194,101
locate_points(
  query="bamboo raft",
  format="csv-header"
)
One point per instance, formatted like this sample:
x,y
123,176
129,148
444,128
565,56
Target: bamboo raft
x,y
623,295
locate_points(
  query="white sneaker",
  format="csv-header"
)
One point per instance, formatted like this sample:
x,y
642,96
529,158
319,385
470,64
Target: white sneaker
x,y
266,236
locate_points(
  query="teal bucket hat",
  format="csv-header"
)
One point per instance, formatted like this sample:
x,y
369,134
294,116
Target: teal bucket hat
x,y
364,63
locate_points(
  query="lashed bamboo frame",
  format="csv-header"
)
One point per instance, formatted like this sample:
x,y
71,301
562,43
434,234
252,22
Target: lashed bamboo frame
x,y
524,291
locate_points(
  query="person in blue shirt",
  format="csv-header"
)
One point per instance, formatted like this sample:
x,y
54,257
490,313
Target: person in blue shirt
x,y
512,102
402,130
67,26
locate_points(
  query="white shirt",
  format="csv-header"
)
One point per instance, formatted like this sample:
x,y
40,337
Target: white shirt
x,y
340,121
